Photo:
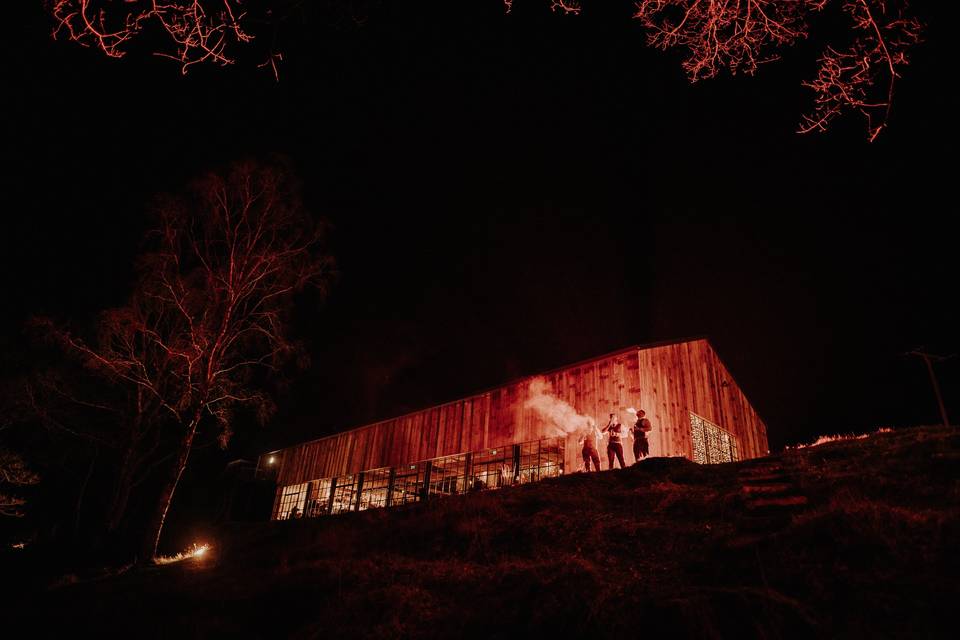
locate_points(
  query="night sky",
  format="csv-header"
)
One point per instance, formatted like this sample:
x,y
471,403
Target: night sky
x,y
511,193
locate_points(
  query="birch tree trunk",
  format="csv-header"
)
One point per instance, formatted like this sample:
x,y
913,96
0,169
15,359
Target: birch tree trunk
x,y
151,540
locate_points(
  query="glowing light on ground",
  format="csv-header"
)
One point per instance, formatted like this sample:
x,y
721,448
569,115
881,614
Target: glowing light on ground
x,y
196,551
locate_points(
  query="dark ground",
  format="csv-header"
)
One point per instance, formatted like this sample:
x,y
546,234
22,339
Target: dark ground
x,y
849,539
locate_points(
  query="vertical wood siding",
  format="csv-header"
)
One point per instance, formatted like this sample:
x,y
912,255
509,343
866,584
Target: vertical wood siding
x,y
667,381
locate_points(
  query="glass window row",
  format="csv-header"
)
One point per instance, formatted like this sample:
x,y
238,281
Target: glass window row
x,y
450,475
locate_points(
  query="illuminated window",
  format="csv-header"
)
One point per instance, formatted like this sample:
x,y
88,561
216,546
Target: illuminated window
x,y
711,444
375,487
408,483
448,476
541,459
292,501
344,494
494,467
318,498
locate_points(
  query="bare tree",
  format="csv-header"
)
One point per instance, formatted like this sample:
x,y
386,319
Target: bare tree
x,y
741,34
211,309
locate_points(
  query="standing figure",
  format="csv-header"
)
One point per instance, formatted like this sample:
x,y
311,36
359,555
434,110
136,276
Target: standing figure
x,y
614,432
477,484
639,430
588,439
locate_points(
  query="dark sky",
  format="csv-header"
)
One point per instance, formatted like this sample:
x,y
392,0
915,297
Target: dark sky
x,y
512,193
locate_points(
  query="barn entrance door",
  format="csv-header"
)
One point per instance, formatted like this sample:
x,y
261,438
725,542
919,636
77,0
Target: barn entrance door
x,y
711,444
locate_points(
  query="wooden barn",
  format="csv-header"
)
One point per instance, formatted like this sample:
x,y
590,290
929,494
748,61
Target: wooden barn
x,y
506,436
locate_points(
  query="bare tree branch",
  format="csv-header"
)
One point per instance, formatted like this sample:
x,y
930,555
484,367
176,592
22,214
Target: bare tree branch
x,y
15,473
196,30
739,35
861,77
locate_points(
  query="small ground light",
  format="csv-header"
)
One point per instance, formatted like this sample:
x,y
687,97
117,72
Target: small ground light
x,y
195,551
271,460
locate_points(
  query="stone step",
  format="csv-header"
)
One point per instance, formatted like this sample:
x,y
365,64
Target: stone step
x,y
779,502
767,468
772,478
772,488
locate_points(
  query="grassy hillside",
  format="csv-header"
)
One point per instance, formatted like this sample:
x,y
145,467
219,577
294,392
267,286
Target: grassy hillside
x,y
857,538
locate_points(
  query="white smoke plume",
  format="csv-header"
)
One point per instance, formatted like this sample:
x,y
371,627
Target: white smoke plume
x,y
554,411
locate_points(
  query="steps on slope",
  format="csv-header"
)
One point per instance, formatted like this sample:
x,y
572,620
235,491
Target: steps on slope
x,y
770,497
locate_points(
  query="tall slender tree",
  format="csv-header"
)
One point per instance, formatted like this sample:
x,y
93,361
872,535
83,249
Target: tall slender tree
x,y
211,308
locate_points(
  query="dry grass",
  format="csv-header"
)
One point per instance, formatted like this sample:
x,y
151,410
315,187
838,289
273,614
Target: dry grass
x,y
839,437
654,550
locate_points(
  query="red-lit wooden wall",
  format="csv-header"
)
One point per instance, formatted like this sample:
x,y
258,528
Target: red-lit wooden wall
x,y
668,381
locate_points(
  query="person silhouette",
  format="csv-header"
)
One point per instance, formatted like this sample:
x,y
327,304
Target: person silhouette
x,y
614,431
639,430
588,441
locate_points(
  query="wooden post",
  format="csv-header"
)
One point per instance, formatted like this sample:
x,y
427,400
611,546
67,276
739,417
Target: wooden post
x,y
426,480
539,460
308,501
936,391
333,490
563,453
277,498
356,506
468,474
933,380
393,476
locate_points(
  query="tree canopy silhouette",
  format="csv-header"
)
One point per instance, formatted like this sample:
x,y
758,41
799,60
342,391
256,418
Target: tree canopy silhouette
x,y
854,76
